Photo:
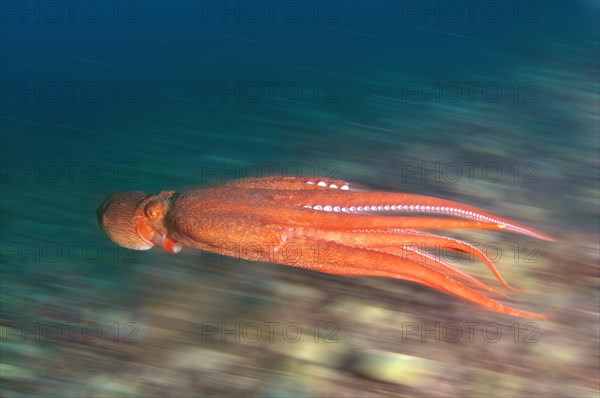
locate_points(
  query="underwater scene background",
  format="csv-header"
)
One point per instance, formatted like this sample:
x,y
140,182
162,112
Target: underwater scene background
x,y
494,104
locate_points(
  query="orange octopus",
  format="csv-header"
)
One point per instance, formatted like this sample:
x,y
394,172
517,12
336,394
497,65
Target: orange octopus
x,y
320,225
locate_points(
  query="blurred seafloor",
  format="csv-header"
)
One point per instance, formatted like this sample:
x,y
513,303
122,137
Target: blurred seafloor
x,y
164,121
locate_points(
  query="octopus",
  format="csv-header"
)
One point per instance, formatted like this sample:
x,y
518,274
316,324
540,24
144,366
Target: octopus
x,y
316,224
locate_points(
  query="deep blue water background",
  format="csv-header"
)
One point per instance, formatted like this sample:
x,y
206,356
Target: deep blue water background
x,y
161,120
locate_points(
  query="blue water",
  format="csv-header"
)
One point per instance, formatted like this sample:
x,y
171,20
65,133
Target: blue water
x,y
102,97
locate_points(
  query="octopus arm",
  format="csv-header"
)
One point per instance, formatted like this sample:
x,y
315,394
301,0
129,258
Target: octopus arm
x,y
302,217
341,259
408,243
380,203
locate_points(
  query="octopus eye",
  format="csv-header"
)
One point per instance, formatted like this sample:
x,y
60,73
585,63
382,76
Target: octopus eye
x,y
153,212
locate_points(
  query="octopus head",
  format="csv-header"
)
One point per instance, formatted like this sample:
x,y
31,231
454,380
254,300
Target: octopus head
x,y
119,216
135,220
